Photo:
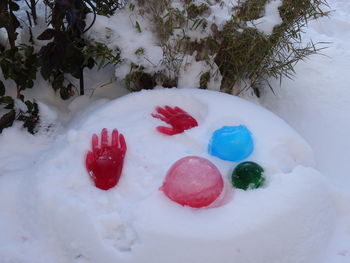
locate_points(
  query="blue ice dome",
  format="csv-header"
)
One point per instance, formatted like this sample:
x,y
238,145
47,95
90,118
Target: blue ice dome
x,y
231,143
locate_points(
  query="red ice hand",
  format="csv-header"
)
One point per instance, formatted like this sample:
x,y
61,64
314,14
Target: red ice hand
x,y
178,119
105,163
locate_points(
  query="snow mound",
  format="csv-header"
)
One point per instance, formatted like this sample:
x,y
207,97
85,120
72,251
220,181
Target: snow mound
x,y
289,220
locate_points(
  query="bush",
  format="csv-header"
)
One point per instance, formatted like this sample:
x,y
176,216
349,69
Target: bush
x,y
221,44
242,47
67,52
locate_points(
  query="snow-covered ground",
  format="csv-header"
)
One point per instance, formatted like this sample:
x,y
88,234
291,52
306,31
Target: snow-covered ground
x,y
316,104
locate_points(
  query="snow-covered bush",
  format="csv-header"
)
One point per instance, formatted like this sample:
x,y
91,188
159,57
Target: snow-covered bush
x,y
58,50
231,45
227,45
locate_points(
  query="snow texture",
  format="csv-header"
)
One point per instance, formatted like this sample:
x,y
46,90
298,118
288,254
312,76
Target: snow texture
x,y
135,222
132,34
270,19
50,211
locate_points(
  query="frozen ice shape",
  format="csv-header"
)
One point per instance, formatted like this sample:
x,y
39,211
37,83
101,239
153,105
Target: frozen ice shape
x,y
193,181
177,118
231,143
248,175
105,162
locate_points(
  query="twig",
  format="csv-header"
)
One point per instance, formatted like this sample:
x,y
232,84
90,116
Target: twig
x,y
94,11
31,39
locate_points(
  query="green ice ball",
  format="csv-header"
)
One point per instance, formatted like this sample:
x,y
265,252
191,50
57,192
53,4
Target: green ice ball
x,y
248,175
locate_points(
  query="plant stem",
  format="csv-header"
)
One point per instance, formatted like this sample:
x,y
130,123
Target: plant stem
x,y
81,81
33,10
10,28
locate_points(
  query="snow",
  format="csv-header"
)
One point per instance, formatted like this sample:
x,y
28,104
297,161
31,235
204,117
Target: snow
x,y
122,31
316,104
132,30
270,19
58,190
221,12
50,211
192,70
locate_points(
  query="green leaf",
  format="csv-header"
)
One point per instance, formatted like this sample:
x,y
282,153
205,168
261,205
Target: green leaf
x,y
58,82
45,72
29,84
6,100
2,88
31,121
90,63
138,27
7,120
5,67
30,105
15,23
101,64
65,94
13,6
47,34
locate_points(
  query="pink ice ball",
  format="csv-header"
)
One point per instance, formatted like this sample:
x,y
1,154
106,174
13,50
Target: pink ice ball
x,y
193,181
